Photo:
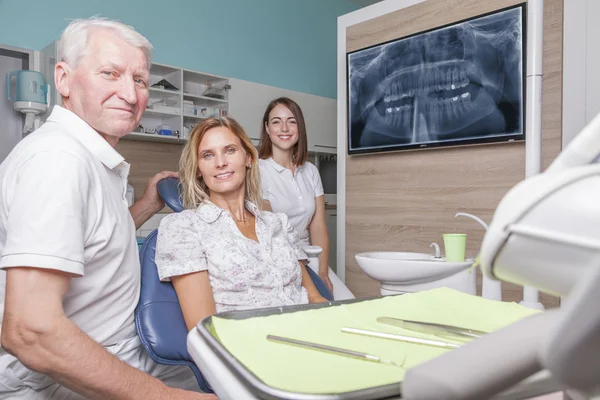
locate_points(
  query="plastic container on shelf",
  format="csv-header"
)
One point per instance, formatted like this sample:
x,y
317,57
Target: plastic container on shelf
x,y
164,130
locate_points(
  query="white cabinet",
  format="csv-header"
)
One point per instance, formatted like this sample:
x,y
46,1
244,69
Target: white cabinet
x,y
322,130
248,101
185,98
581,62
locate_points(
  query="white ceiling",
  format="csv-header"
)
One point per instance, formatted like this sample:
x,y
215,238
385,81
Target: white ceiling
x,y
364,3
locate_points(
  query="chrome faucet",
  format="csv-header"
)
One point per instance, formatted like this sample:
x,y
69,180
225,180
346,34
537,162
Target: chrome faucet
x,y
490,289
462,214
437,249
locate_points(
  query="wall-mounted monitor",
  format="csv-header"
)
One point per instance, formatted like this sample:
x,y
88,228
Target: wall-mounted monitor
x,y
458,84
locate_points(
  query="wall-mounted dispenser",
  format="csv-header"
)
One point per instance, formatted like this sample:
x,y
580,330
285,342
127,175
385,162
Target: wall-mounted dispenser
x,y
31,94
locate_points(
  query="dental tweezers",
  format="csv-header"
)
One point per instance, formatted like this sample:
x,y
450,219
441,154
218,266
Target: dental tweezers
x,y
429,327
402,338
335,350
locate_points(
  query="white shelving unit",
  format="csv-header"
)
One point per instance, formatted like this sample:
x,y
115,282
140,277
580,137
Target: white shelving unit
x,y
180,108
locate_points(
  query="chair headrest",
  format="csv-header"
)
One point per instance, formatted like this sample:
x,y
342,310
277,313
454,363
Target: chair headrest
x,y
169,190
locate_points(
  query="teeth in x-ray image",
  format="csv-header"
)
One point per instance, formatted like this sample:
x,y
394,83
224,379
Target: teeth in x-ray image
x,y
435,81
456,82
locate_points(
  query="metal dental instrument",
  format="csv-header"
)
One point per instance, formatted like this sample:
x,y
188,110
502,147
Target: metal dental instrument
x,y
402,338
335,350
431,328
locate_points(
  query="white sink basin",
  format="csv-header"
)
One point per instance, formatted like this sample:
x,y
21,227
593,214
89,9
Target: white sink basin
x,y
407,268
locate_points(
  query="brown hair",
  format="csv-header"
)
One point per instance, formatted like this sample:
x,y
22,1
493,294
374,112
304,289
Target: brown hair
x,y
194,189
300,149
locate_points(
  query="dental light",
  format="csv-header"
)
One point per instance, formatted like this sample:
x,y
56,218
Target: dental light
x,y
545,233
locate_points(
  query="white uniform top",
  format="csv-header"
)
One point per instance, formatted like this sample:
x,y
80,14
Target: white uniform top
x,y
292,194
63,207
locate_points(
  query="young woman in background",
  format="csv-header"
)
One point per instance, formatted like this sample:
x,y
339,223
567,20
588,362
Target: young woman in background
x,y
290,184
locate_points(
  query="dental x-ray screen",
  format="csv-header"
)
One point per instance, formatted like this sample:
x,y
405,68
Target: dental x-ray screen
x,y
458,84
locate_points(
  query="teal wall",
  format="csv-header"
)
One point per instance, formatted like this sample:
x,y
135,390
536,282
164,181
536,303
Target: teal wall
x,y
286,43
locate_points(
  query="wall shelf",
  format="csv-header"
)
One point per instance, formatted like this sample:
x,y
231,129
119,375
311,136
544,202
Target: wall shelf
x,y
158,91
157,112
207,98
162,69
202,78
153,137
190,116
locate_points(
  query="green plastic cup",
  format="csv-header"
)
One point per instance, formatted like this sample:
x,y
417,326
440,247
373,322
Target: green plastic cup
x,y
454,246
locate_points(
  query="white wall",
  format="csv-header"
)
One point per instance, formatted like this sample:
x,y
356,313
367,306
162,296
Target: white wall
x,y
581,65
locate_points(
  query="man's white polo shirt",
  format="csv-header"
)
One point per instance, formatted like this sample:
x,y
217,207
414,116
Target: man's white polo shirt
x,y
63,207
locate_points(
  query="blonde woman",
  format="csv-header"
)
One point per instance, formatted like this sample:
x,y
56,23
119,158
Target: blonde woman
x,y
223,252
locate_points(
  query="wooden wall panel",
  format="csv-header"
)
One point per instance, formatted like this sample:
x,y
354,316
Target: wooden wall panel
x,y
147,159
403,201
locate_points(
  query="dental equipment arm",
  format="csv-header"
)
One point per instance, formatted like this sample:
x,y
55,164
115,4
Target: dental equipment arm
x,y
572,348
545,234
509,356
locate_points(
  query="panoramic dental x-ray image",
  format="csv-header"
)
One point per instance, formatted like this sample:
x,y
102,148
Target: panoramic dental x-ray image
x,y
457,84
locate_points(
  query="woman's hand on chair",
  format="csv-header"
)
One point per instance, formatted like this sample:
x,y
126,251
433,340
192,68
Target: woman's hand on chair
x,y
325,277
317,299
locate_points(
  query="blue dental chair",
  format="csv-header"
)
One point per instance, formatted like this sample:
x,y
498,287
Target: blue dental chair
x,y
158,318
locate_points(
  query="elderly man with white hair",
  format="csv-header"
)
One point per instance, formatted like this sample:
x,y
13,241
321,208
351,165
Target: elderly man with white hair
x,y
67,236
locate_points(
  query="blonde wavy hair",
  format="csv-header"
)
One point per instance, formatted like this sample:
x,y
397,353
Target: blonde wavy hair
x,y
193,188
